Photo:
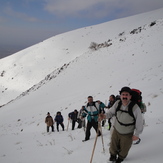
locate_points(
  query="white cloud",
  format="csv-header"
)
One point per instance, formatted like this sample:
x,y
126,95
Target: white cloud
x,y
71,7
9,11
100,8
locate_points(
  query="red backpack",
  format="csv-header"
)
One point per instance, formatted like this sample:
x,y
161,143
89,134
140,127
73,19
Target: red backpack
x,y
136,97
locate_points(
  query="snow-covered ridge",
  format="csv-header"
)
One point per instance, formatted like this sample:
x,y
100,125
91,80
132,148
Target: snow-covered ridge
x,y
28,67
122,36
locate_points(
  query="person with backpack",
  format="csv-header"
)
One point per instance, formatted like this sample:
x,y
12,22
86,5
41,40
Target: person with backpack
x,y
137,98
81,120
110,104
102,111
49,122
92,112
74,118
59,120
127,126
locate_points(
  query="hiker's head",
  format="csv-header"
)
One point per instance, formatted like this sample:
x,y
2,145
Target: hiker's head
x,y
83,107
125,94
99,102
90,99
112,98
117,97
48,113
75,111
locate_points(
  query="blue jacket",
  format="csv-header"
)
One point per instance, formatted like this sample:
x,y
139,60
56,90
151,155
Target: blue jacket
x,y
101,107
59,118
73,115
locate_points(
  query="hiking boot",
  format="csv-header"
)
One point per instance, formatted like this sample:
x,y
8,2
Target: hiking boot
x,y
85,140
119,160
137,142
112,158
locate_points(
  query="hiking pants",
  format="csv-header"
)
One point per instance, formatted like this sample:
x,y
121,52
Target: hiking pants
x,y
88,129
120,144
51,127
109,122
73,123
62,125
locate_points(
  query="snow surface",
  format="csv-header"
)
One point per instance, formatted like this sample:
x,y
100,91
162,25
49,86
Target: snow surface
x,y
75,72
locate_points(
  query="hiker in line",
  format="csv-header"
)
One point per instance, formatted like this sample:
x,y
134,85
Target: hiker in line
x,y
49,122
59,120
137,98
92,112
143,110
110,104
102,111
81,120
73,116
127,126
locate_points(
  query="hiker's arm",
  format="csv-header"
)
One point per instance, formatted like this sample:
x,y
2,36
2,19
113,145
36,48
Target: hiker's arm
x,y
84,114
110,112
139,122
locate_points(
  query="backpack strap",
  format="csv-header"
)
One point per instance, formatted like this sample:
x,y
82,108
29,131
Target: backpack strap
x,y
130,112
130,109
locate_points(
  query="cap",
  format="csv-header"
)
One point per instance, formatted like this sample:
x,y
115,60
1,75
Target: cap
x,y
125,89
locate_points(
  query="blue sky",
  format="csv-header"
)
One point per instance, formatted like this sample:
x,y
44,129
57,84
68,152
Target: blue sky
x,y
27,22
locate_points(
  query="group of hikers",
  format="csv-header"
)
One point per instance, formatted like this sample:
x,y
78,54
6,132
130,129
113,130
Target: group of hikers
x,y
123,114
50,122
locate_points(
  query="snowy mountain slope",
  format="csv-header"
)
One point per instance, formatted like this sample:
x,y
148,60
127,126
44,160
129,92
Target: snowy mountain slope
x,y
24,69
136,62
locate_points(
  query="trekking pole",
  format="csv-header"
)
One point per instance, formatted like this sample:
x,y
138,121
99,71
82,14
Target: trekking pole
x,y
99,123
94,145
68,124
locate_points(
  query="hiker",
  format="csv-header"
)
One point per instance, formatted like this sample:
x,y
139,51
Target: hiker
x,y
49,122
81,120
59,120
117,97
102,111
137,98
127,126
143,107
110,104
73,116
143,110
92,112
